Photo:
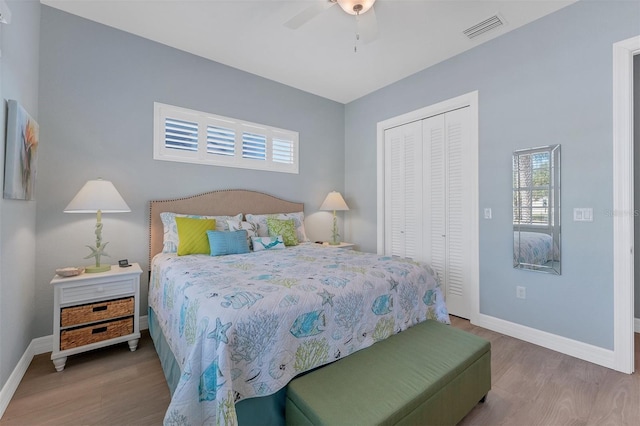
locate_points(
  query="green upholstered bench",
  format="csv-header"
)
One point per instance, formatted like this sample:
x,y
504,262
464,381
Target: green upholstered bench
x,y
429,374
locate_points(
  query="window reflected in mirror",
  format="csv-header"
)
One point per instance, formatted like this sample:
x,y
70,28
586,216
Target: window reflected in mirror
x,y
536,209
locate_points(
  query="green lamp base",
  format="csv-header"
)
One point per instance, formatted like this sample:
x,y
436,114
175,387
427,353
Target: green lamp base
x,y
94,269
334,243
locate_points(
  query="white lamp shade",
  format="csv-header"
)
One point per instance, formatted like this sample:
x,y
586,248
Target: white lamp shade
x,y
97,195
334,201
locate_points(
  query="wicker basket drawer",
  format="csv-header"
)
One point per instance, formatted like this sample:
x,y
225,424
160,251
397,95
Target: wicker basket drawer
x,y
95,333
98,311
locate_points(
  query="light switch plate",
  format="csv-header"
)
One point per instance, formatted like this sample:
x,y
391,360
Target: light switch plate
x,y
583,214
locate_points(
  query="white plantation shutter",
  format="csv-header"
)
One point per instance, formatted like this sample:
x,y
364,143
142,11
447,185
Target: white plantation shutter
x,y
176,135
221,141
181,135
283,151
196,137
254,146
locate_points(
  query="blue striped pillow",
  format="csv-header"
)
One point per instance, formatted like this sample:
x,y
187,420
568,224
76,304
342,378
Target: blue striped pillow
x,y
223,243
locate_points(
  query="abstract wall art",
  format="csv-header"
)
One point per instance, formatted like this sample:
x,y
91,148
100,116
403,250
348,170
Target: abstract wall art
x,y
20,153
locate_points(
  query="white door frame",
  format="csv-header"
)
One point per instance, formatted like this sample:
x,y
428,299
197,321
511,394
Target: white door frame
x,y
467,100
623,208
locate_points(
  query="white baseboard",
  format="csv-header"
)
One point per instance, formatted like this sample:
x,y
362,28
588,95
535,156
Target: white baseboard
x,y
39,345
144,322
42,345
636,325
554,342
9,388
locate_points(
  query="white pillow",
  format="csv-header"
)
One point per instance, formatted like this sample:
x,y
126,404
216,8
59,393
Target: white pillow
x,y
268,243
236,225
171,240
260,222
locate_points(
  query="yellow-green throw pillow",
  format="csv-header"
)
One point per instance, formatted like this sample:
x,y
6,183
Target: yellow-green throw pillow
x,y
286,228
192,235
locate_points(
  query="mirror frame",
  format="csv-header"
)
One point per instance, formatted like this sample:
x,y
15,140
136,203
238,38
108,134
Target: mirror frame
x,y
547,249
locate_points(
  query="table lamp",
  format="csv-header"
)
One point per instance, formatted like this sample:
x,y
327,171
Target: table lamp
x,y
335,202
98,196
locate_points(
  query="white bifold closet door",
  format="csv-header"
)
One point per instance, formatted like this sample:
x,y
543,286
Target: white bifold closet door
x,y
447,205
426,203
403,191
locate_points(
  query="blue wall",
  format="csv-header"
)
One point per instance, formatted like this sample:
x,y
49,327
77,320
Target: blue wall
x,y
97,92
19,42
549,82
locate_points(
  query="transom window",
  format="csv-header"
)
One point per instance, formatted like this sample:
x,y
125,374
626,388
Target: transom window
x,y
190,136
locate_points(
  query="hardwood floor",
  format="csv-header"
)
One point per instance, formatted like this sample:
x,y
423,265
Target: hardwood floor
x,y
109,386
530,386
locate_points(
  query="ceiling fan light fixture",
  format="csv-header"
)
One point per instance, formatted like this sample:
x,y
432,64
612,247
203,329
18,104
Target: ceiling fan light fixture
x,y
356,7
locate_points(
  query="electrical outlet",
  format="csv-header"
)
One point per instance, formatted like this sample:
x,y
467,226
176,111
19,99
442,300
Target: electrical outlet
x,y
521,292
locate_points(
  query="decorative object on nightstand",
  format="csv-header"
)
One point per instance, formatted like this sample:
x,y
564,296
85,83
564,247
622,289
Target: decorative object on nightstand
x,y
335,202
98,196
91,311
69,271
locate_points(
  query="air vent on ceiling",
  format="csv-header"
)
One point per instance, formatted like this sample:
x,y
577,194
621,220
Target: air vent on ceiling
x,y
487,25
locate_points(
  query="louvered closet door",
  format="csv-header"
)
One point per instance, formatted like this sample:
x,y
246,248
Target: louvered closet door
x,y
403,191
435,229
446,218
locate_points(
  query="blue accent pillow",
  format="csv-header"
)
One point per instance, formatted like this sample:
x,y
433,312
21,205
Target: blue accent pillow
x,y
223,243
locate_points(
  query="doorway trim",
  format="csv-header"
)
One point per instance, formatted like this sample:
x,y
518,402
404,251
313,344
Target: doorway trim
x,y
466,100
623,208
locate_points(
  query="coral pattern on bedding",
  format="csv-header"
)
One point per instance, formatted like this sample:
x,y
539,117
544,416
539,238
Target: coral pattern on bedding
x,y
244,325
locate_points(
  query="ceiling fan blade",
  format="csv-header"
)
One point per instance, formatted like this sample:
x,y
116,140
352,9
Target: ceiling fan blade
x,y
368,26
308,14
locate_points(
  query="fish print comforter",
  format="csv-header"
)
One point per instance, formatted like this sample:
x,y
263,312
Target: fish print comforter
x,y
244,325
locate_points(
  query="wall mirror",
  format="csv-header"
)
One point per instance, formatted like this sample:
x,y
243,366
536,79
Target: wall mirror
x,y
536,209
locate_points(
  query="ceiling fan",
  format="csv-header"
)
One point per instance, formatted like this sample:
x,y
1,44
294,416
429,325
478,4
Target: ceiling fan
x,y
366,22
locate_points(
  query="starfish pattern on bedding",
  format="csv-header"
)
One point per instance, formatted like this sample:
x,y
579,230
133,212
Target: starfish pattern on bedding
x,y
326,297
220,332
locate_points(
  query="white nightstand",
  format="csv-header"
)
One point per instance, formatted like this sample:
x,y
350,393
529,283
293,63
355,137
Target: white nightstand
x,y
95,310
342,245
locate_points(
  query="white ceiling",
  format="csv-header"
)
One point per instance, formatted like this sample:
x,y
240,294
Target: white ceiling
x,y
319,56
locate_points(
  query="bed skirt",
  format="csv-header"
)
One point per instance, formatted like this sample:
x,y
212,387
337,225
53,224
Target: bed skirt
x,y
266,410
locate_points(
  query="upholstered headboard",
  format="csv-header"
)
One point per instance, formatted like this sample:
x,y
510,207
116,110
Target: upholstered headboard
x,y
215,203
